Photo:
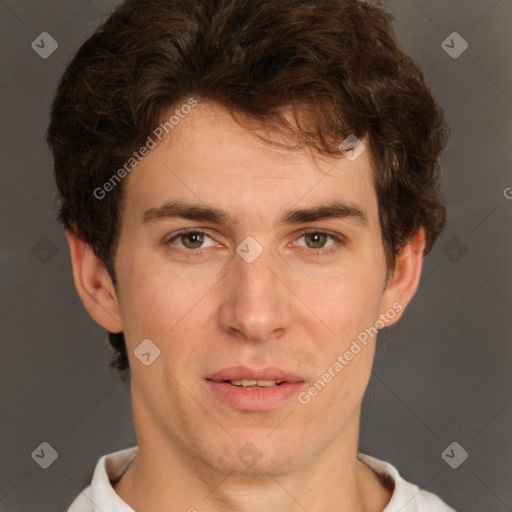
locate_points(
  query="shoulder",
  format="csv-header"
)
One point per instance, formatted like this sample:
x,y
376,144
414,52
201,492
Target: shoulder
x,y
100,495
83,502
406,496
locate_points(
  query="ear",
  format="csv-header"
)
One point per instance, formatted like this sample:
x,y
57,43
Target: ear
x,y
404,280
93,284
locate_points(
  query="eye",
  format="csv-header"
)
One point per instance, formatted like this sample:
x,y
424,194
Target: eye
x,y
318,241
192,239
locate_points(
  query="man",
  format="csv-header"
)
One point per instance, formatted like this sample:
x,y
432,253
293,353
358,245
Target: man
x,y
248,190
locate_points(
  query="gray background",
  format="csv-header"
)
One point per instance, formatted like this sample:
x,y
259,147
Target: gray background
x,y
441,375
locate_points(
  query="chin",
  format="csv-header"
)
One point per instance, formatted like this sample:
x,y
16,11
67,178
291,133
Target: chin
x,y
258,455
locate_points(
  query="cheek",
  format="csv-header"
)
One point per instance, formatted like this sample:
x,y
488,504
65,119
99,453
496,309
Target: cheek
x,y
345,356
349,304
348,300
157,301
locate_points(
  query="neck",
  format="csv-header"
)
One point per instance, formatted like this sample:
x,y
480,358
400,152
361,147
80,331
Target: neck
x,y
165,476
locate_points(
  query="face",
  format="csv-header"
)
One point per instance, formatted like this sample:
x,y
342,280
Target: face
x,y
243,262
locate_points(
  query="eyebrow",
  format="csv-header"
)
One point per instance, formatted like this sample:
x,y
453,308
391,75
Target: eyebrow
x,y
180,209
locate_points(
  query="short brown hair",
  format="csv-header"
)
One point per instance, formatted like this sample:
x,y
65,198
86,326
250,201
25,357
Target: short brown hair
x,y
333,64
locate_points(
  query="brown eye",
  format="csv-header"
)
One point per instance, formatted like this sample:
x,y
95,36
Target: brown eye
x,y
320,243
318,240
192,240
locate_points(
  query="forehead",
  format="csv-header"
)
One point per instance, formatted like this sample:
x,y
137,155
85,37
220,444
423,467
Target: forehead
x,y
210,158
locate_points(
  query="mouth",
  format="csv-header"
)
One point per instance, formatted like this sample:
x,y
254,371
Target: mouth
x,y
254,390
253,384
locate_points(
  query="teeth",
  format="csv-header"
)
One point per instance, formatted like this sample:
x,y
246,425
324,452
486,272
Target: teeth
x,y
251,383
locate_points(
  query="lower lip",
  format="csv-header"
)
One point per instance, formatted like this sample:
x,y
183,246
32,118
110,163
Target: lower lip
x,y
263,399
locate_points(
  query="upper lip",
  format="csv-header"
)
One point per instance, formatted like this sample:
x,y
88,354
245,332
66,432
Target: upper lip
x,y
244,373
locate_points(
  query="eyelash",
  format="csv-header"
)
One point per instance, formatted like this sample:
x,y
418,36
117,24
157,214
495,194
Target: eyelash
x,y
196,253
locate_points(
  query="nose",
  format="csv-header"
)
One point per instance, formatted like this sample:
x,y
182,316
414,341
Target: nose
x,y
257,305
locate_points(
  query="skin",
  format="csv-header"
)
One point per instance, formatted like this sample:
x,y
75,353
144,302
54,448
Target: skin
x,y
288,309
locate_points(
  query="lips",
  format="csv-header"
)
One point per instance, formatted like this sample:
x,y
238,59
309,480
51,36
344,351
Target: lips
x,y
254,390
240,373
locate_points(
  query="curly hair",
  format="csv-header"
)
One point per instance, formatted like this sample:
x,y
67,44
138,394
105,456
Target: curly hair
x,y
316,70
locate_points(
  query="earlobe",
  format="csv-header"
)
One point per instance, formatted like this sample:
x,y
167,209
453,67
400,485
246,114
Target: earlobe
x,y
93,284
405,278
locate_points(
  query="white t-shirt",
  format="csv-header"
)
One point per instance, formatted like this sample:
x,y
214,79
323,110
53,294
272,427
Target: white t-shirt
x,y
101,497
